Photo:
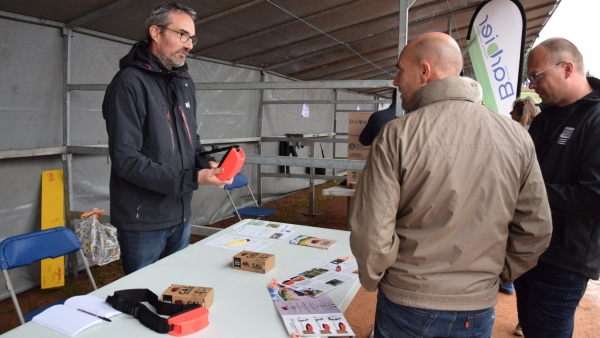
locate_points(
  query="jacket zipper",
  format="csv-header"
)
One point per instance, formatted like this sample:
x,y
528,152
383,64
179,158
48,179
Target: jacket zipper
x,y
171,130
186,124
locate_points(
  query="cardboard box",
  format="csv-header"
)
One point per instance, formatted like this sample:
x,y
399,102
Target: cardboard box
x,y
253,261
356,151
185,294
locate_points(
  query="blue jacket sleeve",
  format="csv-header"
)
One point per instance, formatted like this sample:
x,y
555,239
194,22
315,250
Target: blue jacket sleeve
x,y
368,134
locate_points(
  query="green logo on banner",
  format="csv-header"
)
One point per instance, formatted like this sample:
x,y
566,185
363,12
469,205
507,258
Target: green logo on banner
x,y
493,48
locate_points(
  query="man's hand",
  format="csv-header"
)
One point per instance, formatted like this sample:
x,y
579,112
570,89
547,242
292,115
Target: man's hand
x,y
208,177
213,164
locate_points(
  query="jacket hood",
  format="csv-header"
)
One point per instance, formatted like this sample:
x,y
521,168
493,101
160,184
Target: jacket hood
x,y
140,57
450,88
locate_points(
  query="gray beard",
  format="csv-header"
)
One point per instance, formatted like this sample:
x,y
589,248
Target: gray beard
x,y
170,62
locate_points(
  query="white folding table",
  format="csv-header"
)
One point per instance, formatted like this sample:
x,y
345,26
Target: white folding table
x,y
242,305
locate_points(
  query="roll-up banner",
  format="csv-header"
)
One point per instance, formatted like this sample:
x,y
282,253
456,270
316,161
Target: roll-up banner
x,y
496,43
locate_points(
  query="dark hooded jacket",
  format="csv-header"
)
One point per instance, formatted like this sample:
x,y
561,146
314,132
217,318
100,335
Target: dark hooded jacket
x,y
567,142
150,115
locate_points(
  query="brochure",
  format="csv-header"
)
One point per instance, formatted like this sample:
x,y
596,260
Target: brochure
x,y
322,279
315,242
313,317
263,229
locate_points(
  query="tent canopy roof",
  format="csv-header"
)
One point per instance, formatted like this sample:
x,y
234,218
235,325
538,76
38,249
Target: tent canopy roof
x,y
259,33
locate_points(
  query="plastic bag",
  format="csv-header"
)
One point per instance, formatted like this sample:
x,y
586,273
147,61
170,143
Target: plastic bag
x,y
98,241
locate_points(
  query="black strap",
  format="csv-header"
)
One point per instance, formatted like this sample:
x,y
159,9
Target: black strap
x,y
202,157
322,153
216,149
129,302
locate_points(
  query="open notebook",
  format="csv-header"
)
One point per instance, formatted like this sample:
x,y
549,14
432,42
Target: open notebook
x,y
68,320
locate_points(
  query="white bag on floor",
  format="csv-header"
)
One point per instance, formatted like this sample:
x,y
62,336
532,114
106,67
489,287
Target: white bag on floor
x,y
98,241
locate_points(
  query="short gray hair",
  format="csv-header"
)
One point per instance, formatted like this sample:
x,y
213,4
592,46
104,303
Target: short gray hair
x,y
564,50
161,16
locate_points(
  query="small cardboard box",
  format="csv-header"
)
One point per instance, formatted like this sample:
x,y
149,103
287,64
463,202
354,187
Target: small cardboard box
x,y
356,151
253,261
185,294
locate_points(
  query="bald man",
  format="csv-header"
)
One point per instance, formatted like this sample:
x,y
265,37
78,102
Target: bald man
x,y
451,203
566,135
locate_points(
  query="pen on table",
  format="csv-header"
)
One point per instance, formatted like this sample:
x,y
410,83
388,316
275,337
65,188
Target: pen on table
x,y
241,241
91,314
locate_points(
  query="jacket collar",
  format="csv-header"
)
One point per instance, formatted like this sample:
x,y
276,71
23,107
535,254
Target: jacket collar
x,y
140,57
450,88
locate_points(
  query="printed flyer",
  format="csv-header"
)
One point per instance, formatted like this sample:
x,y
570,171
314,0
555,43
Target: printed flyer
x,y
319,243
313,317
263,229
322,279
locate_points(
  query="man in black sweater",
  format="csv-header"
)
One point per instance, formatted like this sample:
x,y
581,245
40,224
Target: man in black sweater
x,y
377,120
150,113
566,135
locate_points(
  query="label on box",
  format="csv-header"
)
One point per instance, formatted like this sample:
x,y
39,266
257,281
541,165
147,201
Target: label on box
x,y
356,151
253,261
185,294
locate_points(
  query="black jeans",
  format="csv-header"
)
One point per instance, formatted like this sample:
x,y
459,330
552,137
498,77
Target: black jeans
x,y
547,297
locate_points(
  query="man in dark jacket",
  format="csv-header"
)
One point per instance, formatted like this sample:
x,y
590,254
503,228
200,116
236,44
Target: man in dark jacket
x,y
566,135
150,113
377,120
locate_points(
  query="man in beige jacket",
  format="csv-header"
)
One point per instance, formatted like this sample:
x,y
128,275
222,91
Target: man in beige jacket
x,y
451,203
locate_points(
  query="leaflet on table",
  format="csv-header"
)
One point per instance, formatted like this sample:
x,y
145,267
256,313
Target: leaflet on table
x,y
281,293
313,317
254,244
316,281
263,229
319,243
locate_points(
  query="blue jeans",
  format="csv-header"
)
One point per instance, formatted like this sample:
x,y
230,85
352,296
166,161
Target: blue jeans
x,y
547,297
507,288
393,320
142,248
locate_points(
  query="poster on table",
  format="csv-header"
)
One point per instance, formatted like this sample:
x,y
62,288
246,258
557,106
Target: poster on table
x,y
496,41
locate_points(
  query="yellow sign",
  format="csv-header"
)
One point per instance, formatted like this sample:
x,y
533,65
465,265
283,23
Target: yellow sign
x,y
53,215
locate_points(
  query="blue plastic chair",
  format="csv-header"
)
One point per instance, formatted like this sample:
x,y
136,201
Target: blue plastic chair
x,y
23,250
258,212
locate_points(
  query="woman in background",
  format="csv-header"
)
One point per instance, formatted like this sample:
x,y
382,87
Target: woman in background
x,y
524,110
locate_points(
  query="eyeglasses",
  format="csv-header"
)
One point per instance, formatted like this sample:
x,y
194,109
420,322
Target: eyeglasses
x,y
535,78
183,36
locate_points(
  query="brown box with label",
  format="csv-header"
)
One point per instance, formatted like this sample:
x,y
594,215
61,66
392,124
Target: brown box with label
x,y
356,151
253,261
185,294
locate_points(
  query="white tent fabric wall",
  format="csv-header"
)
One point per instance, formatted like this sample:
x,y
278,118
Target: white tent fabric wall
x,y
32,115
31,86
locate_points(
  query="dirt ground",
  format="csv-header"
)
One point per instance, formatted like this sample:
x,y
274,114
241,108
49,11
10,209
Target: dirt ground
x,y
331,214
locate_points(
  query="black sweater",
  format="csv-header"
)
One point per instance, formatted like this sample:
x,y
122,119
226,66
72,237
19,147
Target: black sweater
x,y
150,114
567,141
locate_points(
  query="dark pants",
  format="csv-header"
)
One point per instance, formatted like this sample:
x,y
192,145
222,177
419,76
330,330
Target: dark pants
x,y
142,248
547,297
393,320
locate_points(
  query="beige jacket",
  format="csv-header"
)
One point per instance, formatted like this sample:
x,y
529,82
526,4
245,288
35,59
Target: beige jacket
x,y
451,202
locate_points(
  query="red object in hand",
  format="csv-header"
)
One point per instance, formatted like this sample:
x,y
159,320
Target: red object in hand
x,y
232,163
